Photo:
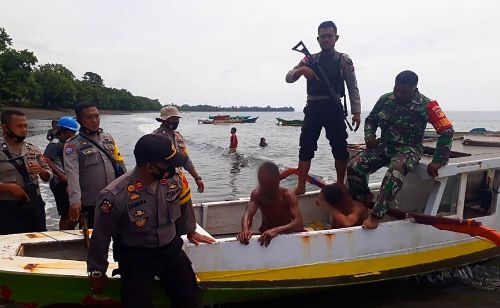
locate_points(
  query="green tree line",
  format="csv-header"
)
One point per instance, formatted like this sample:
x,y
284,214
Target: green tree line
x,y
23,83
209,108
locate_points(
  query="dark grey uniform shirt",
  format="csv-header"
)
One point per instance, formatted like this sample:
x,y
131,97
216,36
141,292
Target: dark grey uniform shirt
x,y
346,71
139,216
9,174
88,170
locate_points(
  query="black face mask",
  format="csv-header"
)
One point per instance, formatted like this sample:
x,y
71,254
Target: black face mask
x,y
167,173
16,138
172,125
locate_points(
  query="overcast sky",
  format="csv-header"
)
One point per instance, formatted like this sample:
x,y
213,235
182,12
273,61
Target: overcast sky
x,y
238,52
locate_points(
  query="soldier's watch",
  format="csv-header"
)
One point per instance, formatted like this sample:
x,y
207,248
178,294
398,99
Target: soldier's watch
x,y
95,274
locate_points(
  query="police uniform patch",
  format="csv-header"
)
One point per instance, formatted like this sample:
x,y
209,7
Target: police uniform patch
x,y
140,222
106,206
139,186
131,188
139,213
134,197
88,152
69,148
172,186
136,203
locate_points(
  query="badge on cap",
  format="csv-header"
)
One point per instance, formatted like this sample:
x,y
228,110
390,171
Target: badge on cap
x,y
106,206
134,197
140,222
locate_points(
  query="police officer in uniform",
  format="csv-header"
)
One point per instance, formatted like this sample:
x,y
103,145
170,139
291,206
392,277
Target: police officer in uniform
x,y
169,118
21,206
139,210
320,110
91,161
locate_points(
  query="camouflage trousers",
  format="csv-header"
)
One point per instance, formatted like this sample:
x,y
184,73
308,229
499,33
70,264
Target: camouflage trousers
x,y
399,160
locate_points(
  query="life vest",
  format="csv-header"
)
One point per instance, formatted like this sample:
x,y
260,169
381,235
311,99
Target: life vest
x,y
332,69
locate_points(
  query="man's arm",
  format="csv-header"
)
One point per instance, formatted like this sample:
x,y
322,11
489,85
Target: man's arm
x,y
50,154
445,130
352,84
293,75
344,221
104,226
44,173
247,219
58,172
372,120
250,210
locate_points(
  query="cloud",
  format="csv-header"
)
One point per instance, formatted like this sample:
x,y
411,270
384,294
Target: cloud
x,y
237,53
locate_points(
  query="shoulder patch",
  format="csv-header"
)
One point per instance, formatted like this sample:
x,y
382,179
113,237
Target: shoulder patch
x,y
106,206
69,148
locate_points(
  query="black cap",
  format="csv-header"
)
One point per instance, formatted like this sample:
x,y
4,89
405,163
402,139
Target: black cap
x,y
153,148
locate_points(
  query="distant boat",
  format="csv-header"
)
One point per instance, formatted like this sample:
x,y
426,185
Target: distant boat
x,y
233,118
284,122
226,119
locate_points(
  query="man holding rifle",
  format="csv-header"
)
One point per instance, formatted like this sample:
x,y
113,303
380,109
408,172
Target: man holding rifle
x,y
326,73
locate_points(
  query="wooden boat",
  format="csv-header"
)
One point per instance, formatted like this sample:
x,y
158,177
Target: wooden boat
x,y
231,117
49,267
284,122
225,119
249,120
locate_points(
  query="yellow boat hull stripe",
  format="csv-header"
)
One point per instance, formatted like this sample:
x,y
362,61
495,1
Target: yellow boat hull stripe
x,y
348,268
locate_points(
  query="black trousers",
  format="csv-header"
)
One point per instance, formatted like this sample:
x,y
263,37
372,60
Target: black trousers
x,y
23,217
138,268
316,116
89,212
61,197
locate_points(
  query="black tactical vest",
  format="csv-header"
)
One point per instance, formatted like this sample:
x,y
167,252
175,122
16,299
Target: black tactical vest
x,y
332,70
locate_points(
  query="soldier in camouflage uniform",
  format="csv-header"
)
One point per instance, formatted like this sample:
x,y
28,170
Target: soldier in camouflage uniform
x,y
402,117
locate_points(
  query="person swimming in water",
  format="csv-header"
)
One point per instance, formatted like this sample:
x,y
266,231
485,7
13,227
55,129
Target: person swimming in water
x,y
263,142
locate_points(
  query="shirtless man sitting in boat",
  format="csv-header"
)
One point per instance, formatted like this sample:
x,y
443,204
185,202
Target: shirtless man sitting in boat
x,y
345,211
279,208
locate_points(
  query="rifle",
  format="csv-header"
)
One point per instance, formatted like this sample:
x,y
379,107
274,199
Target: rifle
x,y
322,75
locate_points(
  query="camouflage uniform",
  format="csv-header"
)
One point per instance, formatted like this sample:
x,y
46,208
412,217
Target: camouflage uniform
x,y
400,149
